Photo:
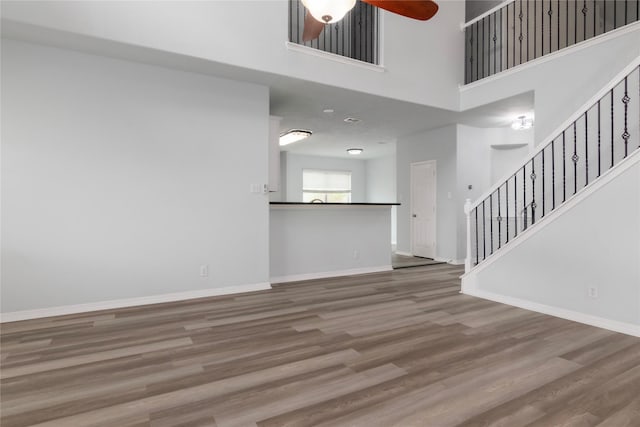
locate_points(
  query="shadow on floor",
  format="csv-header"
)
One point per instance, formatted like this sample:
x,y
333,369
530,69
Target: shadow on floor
x,y
403,261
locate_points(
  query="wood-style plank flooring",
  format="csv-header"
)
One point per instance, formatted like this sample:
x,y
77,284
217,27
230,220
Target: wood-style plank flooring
x,y
399,348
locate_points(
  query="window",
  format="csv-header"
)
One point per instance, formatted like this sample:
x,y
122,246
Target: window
x,y
326,186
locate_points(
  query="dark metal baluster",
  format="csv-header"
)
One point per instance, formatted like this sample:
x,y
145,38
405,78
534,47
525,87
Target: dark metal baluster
x,y
520,36
495,39
499,222
550,13
477,53
599,139
612,145
507,36
586,150
625,101
626,9
524,195
604,17
584,20
575,22
566,26
541,30
489,73
533,190
506,199
491,220
514,33
484,233
553,175
543,198
558,26
527,27
515,203
575,158
535,29
615,14
366,24
483,74
594,18
501,40
477,244
470,31
564,168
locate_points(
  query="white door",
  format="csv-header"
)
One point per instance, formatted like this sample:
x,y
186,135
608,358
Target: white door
x,y
423,209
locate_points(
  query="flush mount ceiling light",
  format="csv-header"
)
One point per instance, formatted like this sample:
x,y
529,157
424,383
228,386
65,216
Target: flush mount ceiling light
x,y
328,11
294,135
355,151
522,123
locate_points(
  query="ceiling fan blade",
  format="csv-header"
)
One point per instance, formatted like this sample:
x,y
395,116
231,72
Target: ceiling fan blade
x,y
416,9
312,28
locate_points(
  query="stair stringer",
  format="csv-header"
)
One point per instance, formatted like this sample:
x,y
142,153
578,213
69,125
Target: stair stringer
x,y
550,267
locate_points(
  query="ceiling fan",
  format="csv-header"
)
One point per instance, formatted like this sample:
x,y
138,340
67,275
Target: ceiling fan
x,y
322,12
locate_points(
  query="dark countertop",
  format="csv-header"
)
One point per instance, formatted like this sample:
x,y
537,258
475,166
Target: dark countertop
x,y
332,204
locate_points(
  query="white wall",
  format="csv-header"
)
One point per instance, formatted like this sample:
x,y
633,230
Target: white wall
x,y
562,82
325,240
295,163
381,186
252,35
119,180
596,243
440,145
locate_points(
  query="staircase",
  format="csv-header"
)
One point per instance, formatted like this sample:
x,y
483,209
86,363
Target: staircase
x,y
594,155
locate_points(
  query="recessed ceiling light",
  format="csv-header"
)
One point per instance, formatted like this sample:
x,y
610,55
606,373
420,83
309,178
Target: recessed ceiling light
x,y
328,110
355,151
351,120
294,135
522,123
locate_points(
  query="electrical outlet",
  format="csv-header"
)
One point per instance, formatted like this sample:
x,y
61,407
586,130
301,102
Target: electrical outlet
x,y
592,291
204,270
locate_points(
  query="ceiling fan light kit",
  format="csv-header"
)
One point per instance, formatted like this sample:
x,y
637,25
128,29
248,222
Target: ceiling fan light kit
x,y
355,151
328,11
321,12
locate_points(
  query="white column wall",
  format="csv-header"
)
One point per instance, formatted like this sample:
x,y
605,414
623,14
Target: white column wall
x,y
119,180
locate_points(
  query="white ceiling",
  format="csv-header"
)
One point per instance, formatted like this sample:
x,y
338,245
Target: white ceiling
x,y
383,120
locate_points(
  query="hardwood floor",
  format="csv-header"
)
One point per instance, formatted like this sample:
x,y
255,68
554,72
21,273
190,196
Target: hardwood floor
x,y
399,348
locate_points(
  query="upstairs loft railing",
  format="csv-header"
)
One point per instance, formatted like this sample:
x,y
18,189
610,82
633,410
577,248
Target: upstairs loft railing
x,y
355,36
523,30
597,140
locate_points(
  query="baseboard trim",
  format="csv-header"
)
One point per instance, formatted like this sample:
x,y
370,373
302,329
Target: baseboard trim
x,y
328,274
576,316
129,302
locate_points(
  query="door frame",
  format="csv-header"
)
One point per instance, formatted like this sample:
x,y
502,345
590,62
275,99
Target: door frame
x,y
435,212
